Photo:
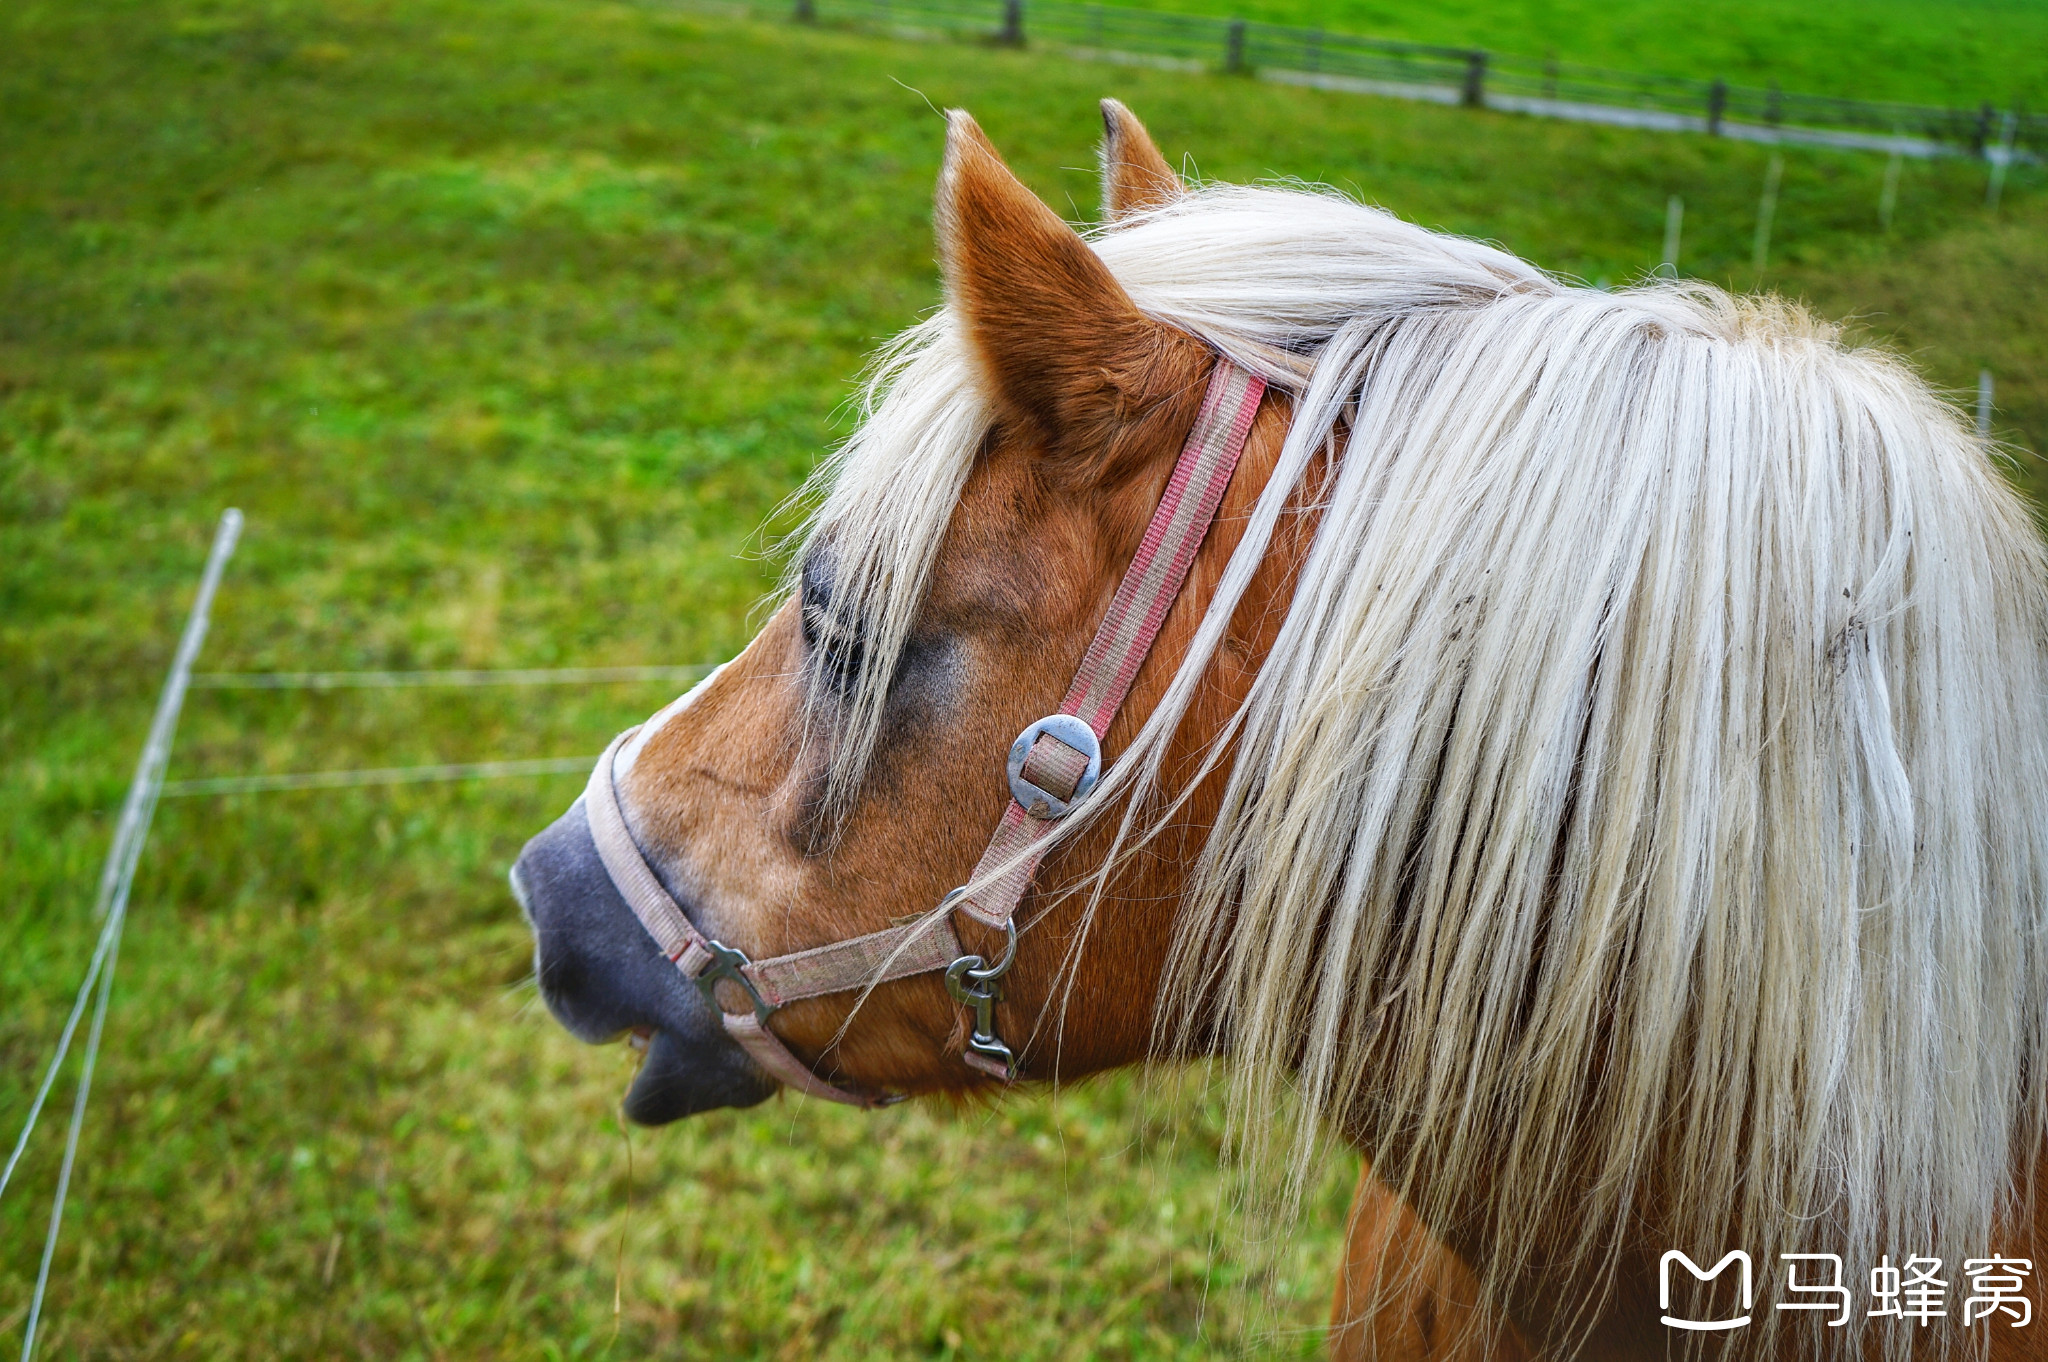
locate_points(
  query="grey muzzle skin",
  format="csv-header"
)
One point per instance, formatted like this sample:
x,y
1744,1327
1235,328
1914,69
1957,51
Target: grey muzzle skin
x,y
601,974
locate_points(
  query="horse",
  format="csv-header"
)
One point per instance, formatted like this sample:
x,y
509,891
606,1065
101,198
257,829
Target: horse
x,y
1586,749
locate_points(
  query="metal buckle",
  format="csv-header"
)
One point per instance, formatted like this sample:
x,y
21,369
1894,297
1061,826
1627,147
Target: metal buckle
x,y
727,963
977,984
1074,732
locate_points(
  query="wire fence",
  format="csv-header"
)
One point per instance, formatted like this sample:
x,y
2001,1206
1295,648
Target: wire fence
x,y
376,775
111,906
462,676
392,680
1447,75
149,784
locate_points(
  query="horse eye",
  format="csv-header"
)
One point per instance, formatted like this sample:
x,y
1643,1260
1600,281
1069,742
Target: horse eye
x,y
838,651
836,646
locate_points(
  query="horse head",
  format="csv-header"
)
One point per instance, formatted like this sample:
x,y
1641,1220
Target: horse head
x,y
846,769
1596,756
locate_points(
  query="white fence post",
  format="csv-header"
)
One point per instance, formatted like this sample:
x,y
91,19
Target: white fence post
x,y
112,903
1766,210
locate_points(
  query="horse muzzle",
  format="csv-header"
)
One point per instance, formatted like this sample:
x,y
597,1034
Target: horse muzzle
x,y
602,975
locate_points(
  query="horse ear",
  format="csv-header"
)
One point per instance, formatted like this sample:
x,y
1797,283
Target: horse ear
x,y
1135,177
1063,346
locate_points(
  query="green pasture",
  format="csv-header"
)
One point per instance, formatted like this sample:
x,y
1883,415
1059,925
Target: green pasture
x,y
1957,54
509,325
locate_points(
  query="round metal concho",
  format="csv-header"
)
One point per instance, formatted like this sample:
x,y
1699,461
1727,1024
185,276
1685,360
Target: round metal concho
x,y
1075,733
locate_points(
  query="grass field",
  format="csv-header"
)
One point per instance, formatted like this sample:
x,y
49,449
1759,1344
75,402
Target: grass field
x,y
507,325
1955,54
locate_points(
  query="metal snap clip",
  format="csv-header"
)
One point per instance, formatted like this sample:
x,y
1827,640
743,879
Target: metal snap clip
x,y
978,985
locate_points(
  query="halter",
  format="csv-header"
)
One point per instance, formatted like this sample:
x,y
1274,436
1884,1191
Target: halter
x,y
1053,765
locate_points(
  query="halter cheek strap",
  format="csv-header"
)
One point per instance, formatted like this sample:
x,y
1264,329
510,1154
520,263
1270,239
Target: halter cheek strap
x,y
745,993
1052,767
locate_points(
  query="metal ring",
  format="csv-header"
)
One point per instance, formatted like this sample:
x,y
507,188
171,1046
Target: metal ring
x,y
974,969
980,970
983,974
1074,732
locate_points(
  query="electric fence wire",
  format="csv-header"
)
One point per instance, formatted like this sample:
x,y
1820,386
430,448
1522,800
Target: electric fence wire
x,y
115,882
92,1054
510,676
408,775
35,1110
148,785
380,775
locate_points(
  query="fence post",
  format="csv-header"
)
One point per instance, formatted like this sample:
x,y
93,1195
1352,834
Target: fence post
x,y
806,11
1888,197
1013,23
1233,47
1674,223
1981,136
1983,404
117,877
1774,106
1475,80
1717,105
1766,210
2000,158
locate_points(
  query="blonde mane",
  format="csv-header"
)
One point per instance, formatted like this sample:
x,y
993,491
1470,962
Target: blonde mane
x,y
1644,810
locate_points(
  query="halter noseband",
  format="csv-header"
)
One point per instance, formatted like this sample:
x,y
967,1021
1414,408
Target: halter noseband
x,y
1052,766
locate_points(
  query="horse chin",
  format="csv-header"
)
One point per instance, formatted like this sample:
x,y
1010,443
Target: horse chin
x,y
678,1079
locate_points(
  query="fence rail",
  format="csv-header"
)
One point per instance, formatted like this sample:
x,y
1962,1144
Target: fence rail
x,y
1449,75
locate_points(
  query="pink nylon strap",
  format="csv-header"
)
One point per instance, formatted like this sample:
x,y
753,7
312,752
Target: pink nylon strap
x,y
1124,638
770,1053
1121,643
635,880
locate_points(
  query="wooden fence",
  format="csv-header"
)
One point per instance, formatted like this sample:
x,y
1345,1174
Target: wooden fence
x,y
1452,75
